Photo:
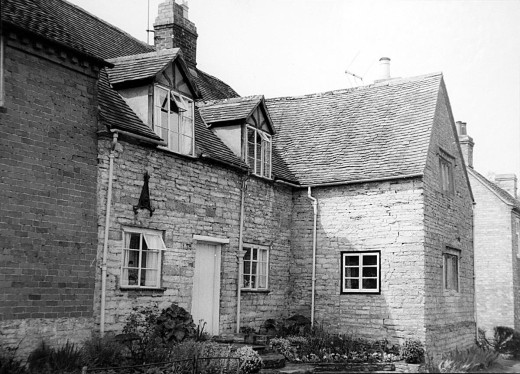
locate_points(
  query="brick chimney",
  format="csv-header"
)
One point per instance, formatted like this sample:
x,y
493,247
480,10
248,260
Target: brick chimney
x,y
174,30
466,143
507,182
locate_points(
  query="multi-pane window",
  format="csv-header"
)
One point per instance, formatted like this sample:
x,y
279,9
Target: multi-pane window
x,y
256,268
451,269
141,266
174,120
259,152
360,272
446,175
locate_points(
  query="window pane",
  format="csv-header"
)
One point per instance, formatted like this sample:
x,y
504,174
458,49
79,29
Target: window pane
x,y
370,260
154,241
253,281
263,255
174,142
351,272
258,158
370,284
262,281
370,272
134,241
255,253
247,281
247,256
149,278
247,267
352,260
254,268
352,284
186,143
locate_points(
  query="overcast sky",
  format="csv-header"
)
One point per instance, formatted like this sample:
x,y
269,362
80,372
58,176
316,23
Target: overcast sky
x,y
294,47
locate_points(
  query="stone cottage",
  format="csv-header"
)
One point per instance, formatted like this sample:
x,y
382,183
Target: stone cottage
x,y
497,243
351,207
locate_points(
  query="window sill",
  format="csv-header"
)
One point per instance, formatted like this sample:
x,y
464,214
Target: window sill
x,y
142,290
168,150
247,290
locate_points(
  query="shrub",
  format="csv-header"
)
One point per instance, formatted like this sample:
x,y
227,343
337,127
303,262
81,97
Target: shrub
x,y
9,364
210,357
64,359
412,351
175,324
102,352
250,360
467,361
507,341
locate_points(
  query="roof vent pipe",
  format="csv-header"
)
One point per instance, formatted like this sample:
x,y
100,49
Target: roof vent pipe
x,y
384,68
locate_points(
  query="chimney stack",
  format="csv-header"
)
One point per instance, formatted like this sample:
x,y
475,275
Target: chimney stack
x,y
466,143
173,29
507,182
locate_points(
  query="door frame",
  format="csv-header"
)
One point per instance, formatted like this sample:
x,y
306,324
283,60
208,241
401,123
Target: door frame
x,y
217,242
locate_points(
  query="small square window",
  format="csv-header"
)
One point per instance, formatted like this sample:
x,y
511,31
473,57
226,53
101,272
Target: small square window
x,y
142,253
256,268
446,175
360,272
451,269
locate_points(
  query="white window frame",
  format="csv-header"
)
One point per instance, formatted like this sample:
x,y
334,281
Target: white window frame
x,y
260,249
266,141
185,105
446,175
517,226
360,277
145,235
448,254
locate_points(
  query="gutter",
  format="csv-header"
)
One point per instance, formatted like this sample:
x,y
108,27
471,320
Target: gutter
x,y
105,242
139,137
355,181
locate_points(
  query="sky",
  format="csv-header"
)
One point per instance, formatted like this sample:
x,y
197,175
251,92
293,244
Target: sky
x,y
296,47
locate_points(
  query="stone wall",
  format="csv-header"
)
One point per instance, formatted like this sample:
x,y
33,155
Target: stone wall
x,y
450,320
385,216
495,260
192,197
48,193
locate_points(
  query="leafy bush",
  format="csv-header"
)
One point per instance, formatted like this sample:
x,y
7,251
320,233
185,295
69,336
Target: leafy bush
x,y
467,361
250,360
102,352
9,364
175,324
210,357
412,351
64,359
507,341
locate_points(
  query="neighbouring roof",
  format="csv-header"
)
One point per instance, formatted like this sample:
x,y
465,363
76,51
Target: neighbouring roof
x,y
212,88
500,192
364,133
215,111
140,66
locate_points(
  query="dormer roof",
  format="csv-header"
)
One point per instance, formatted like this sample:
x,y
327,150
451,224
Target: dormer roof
x,y
144,67
231,110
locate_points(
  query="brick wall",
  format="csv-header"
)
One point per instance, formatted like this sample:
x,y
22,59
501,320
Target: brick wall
x,y
448,223
385,216
48,190
495,259
192,197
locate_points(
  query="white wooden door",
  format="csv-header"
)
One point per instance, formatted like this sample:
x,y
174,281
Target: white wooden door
x,y
206,287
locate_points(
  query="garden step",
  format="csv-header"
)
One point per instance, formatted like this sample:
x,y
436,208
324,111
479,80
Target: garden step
x,y
273,360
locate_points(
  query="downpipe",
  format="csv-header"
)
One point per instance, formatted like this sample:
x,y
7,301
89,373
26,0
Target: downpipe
x,y
314,234
240,255
105,242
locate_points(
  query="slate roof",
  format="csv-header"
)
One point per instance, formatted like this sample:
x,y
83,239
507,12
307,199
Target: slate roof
x,y
70,26
66,24
370,132
215,111
140,66
503,194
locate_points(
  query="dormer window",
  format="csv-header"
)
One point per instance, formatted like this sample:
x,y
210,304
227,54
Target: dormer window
x,y
173,119
259,151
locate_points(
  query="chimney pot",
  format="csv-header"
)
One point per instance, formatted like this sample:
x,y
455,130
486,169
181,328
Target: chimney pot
x,y
384,69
